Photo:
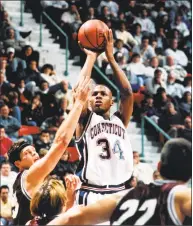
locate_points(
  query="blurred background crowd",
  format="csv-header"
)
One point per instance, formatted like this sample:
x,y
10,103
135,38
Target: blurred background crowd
x,y
152,44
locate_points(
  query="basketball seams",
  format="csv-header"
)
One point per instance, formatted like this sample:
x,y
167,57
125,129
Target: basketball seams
x,y
86,36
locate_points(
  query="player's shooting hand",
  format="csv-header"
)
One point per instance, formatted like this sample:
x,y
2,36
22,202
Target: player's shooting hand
x,y
83,90
109,44
93,55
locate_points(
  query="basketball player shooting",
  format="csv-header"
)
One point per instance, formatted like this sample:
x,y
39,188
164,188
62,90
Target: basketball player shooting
x,y
102,139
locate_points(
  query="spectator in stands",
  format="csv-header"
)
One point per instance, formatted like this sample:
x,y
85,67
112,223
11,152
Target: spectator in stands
x,y
188,84
63,107
7,176
119,47
51,124
171,120
173,88
28,54
154,64
5,144
148,108
11,125
186,104
145,50
137,34
112,6
43,152
142,171
43,141
6,206
178,55
11,41
69,16
185,131
156,175
146,24
13,105
120,59
91,14
33,114
161,39
163,22
13,61
181,26
179,71
65,166
20,90
47,98
152,84
136,71
5,87
125,36
3,65
32,77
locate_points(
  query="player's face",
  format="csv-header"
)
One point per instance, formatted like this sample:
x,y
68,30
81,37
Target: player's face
x,y
28,157
101,99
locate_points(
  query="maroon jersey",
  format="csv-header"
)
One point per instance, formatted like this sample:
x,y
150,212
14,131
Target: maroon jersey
x,y
151,204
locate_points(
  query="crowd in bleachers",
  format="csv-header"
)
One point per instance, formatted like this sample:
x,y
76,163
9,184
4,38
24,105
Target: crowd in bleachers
x,y
152,44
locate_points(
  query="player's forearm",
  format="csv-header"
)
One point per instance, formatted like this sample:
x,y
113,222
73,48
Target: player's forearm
x,y
44,166
121,79
87,68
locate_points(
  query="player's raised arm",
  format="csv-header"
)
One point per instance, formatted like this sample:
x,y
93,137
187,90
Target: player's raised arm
x,y
122,82
96,213
44,166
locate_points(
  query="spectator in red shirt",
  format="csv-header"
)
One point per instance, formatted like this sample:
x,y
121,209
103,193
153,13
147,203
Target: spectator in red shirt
x,y
5,144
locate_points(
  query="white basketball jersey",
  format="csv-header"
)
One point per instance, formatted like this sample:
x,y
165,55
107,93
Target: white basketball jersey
x,y
107,152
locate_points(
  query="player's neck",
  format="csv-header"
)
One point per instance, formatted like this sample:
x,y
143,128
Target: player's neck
x,y
106,115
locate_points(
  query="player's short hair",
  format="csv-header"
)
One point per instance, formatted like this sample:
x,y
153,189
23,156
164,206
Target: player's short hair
x,y
176,160
103,86
16,149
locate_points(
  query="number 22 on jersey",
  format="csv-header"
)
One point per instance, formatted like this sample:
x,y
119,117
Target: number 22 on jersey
x,y
131,207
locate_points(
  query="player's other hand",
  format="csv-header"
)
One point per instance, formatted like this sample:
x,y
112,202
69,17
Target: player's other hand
x,y
89,53
83,90
109,44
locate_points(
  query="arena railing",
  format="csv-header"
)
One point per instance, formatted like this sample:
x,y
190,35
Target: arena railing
x,y
110,83
21,12
61,31
149,120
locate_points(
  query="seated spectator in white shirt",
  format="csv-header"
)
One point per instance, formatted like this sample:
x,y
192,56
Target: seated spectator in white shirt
x,y
145,50
6,206
7,176
179,71
137,33
172,88
119,48
142,171
69,16
113,7
124,35
153,84
49,75
136,71
178,55
154,64
146,24
120,59
181,26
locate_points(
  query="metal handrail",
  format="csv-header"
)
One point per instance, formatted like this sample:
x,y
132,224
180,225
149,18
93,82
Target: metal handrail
x,y
149,120
110,83
21,12
61,31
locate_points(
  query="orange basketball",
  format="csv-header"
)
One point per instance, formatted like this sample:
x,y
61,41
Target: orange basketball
x,y
91,35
